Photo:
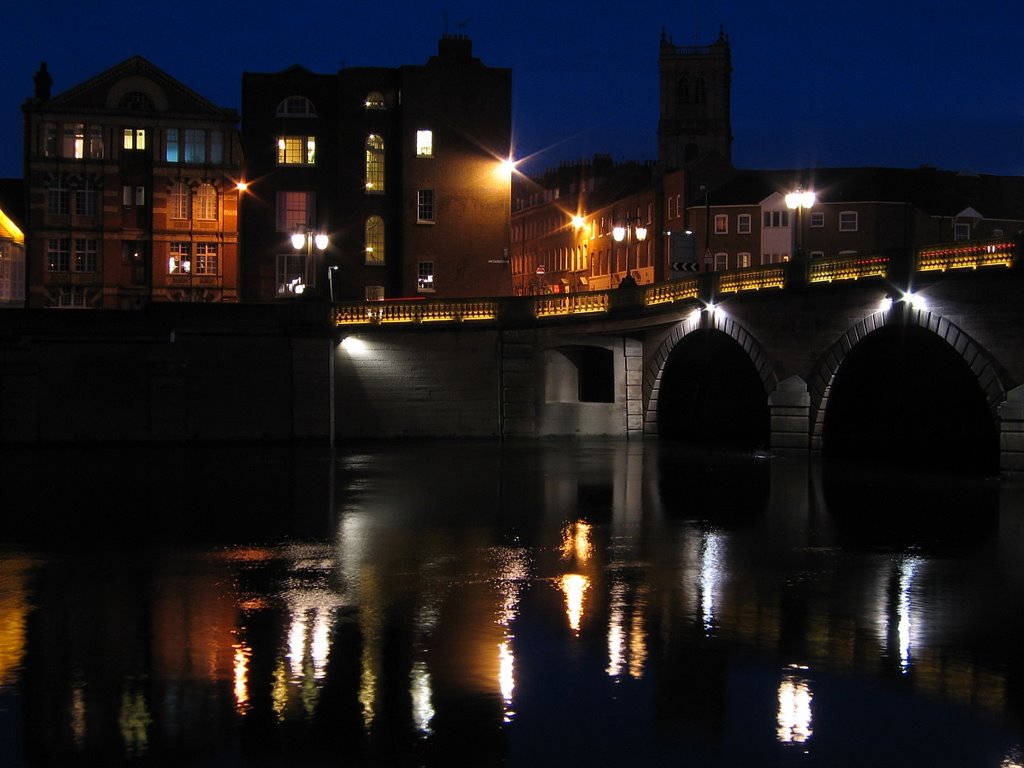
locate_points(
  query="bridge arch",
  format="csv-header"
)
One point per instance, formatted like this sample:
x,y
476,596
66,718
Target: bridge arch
x,y
654,373
981,365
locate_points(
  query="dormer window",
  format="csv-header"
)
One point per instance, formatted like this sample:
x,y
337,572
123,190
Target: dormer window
x,y
296,106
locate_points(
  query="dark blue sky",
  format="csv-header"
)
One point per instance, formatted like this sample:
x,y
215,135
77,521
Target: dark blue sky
x,y
890,83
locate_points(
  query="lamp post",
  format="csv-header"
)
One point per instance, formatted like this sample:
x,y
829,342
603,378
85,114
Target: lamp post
x,y
620,233
799,200
307,239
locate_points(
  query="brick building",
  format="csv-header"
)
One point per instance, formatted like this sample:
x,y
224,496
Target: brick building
x,y
130,182
401,169
747,222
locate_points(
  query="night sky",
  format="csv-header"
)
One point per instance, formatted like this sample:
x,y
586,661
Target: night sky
x,y
883,82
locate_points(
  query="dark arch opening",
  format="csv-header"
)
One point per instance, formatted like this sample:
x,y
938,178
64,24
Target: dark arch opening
x,y
711,394
905,398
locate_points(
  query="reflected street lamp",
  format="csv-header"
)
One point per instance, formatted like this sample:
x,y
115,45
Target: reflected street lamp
x,y
307,239
799,200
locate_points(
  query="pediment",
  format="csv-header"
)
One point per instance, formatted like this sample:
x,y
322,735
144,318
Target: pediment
x,y
134,85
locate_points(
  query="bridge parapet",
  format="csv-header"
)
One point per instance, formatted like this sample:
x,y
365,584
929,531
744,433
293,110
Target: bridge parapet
x,y
967,255
847,268
695,289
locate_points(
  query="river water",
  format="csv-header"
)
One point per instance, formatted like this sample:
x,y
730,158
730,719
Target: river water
x,y
520,604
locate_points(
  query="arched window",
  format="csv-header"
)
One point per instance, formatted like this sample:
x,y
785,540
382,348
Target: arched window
x,y
374,163
205,206
683,91
136,100
180,201
296,106
375,100
375,240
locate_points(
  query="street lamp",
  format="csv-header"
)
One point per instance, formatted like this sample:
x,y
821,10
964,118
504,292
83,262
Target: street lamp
x,y
620,233
799,200
307,240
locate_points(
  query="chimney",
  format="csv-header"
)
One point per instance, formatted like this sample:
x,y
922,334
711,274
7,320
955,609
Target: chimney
x,y
43,82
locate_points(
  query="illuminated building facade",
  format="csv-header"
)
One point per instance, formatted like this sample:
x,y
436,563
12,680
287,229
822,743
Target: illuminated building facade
x,y
401,168
746,221
131,192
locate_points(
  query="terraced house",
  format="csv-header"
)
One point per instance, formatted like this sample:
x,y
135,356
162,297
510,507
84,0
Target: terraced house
x,y
131,183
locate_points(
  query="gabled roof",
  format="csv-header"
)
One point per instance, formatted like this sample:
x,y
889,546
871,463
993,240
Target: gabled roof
x,y
105,90
938,193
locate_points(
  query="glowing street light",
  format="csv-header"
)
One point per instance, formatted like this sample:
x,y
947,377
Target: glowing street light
x,y
799,200
627,232
307,240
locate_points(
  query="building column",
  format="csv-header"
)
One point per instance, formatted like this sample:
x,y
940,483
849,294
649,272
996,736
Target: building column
x,y
1011,431
790,408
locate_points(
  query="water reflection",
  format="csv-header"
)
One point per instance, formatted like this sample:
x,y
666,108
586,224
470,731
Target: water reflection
x,y
497,604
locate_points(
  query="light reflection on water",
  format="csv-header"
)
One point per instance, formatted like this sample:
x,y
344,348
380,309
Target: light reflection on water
x,y
521,605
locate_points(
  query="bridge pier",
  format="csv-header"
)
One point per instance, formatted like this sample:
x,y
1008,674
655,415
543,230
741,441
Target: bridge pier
x,y
790,410
1011,431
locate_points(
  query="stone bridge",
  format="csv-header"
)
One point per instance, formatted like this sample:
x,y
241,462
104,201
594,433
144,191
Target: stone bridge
x,y
916,357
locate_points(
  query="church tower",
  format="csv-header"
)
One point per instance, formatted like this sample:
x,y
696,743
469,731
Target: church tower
x,y
695,119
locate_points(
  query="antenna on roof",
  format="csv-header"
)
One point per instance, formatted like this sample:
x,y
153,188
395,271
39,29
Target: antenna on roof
x,y
462,26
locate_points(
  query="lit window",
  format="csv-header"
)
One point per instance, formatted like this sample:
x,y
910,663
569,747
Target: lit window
x,y
171,152
134,138
207,262
375,240
74,141
425,143
743,224
721,224
425,276
742,260
296,106
296,150
294,210
180,262
374,163
425,205
848,221
290,273
195,145
180,201
375,100
205,208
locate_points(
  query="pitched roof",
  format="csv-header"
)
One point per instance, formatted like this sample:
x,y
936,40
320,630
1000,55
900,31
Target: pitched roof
x,y
171,95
